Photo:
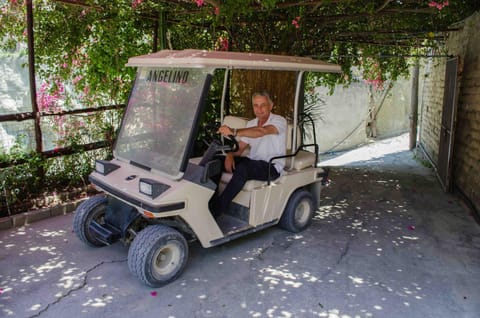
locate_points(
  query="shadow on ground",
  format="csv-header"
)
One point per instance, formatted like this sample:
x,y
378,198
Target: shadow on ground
x,y
383,244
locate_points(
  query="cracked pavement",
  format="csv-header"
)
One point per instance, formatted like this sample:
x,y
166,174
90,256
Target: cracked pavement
x,y
386,242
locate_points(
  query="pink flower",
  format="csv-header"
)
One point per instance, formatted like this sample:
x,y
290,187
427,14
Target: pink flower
x,y
136,3
217,11
295,22
199,2
77,79
438,5
222,44
376,83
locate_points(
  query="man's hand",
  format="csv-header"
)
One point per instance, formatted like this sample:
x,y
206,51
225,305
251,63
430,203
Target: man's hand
x,y
225,131
229,163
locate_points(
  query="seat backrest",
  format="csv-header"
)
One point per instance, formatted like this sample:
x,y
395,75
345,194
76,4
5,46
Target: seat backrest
x,y
241,122
235,122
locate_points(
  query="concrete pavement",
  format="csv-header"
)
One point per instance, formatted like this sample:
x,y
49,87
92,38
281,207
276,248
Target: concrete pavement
x,y
387,242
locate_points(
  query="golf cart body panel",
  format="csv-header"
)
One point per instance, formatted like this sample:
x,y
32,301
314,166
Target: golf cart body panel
x,y
160,194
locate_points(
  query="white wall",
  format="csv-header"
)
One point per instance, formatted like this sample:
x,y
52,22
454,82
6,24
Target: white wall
x,y
346,114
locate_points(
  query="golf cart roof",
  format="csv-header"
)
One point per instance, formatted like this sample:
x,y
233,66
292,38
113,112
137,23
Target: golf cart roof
x,y
231,60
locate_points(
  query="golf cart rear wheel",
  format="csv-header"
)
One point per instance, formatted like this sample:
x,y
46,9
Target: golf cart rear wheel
x,y
298,213
90,210
158,255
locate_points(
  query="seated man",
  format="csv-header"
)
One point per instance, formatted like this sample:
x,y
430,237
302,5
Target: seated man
x,y
266,135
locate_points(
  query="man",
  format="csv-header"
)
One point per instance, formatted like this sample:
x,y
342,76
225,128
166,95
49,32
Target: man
x,y
266,135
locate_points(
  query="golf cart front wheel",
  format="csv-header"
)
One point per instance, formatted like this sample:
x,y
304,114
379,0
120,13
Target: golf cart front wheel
x,y
90,211
298,213
158,255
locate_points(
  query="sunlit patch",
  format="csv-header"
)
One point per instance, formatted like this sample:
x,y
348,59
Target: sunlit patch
x,y
69,281
52,233
48,249
293,284
35,307
99,302
51,265
356,280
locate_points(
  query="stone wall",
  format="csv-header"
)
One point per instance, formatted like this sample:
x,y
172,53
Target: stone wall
x,y
464,43
433,79
466,156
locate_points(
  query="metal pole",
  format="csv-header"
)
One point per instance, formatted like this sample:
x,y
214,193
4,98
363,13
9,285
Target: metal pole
x,y
414,106
31,69
160,32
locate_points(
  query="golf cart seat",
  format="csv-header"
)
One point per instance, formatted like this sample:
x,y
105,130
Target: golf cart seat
x,y
302,160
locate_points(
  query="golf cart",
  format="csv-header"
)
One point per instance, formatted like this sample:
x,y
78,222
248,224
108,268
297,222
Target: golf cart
x,y
156,193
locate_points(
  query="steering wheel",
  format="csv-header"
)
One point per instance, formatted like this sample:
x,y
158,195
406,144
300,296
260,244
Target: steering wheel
x,y
217,144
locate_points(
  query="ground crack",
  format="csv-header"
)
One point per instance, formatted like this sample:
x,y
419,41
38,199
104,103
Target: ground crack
x,y
339,259
82,285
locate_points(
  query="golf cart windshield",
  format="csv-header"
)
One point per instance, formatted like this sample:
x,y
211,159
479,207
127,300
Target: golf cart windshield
x,y
161,115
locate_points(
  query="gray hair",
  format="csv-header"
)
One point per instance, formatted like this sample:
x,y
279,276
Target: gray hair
x,y
263,93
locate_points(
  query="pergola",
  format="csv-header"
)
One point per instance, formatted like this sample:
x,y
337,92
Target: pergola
x,y
382,23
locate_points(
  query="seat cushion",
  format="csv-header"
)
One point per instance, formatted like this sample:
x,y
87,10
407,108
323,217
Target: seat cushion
x,y
249,186
302,160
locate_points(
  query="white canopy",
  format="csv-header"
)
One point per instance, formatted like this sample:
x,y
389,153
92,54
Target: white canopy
x,y
231,60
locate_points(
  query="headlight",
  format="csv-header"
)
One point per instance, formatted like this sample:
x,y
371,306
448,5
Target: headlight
x,y
151,187
105,167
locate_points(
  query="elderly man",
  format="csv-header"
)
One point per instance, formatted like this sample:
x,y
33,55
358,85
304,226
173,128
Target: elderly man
x,y
266,135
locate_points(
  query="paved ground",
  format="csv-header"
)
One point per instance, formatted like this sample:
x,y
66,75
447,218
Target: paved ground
x,y
387,242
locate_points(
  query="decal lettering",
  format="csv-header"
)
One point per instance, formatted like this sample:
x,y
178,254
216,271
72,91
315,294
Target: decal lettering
x,y
168,76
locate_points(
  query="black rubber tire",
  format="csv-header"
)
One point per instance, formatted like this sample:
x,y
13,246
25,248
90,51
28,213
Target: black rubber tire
x,y
158,255
88,211
298,213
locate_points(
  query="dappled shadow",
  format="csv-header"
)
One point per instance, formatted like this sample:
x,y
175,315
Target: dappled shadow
x,y
40,268
380,245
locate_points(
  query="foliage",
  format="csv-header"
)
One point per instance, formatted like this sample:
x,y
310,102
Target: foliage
x,y
81,49
87,45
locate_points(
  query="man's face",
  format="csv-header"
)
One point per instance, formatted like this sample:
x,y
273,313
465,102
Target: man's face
x,y
261,108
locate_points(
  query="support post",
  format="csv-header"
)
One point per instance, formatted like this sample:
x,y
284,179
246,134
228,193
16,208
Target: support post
x,y
159,32
414,106
31,72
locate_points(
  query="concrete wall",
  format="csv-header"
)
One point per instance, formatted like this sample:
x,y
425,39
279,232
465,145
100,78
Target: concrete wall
x,y
393,117
344,118
464,43
347,113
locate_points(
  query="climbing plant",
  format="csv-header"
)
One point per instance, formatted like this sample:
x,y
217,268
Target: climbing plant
x,y
87,43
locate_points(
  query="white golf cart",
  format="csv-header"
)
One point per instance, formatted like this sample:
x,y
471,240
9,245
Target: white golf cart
x,y
156,196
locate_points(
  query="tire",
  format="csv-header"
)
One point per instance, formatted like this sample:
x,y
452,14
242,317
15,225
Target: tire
x,y
298,213
92,209
158,255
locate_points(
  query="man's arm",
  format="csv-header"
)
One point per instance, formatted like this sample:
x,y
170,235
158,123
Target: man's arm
x,y
251,132
229,162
